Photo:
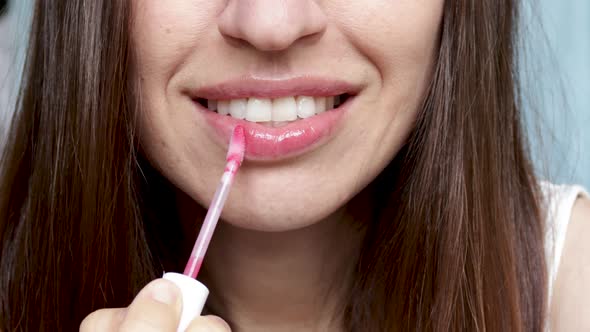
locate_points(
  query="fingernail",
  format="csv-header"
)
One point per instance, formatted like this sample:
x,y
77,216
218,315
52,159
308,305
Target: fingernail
x,y
165,292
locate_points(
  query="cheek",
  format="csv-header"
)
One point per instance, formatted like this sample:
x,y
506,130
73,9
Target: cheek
x,y
163,37
400,37
164,32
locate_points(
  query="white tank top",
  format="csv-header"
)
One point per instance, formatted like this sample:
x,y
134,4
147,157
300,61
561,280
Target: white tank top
x,y
559,201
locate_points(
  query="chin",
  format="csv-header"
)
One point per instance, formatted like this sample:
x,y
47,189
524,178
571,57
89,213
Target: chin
x,y
277,217
275,221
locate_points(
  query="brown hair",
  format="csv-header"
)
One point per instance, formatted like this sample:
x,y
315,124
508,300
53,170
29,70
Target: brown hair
x,y
455,243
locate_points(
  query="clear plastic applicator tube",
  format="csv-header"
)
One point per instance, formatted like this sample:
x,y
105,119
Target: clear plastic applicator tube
x,y
194,293
210,222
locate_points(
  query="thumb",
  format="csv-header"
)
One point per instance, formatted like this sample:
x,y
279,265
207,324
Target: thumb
x,y
208,324
156,308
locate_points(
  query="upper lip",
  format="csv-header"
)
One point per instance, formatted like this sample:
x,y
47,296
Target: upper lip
x,y
275,88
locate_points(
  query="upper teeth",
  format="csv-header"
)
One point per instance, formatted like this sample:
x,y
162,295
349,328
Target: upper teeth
x,y
278,109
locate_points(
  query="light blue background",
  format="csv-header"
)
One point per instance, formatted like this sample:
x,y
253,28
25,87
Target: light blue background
x,y
559,36
556,71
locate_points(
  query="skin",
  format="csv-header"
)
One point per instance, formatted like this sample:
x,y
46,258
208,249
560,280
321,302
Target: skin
x,y
184,44
385,47
177,40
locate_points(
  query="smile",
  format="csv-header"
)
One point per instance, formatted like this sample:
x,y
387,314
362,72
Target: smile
x,y
274,112
281,118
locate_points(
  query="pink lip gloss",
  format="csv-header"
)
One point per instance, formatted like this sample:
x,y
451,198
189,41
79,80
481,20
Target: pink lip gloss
x,y
194,293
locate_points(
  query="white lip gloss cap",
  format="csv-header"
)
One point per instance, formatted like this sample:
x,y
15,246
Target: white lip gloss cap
x,y
194,295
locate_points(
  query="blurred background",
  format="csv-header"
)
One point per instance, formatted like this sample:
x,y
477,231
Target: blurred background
x,y
555,70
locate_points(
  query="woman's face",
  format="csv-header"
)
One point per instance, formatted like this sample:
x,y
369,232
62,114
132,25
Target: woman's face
x,y
327,91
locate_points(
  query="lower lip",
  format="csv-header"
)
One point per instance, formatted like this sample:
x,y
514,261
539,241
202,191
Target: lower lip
x,y
268,143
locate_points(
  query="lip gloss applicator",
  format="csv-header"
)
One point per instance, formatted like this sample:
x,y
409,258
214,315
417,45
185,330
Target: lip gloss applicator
x,y
194,293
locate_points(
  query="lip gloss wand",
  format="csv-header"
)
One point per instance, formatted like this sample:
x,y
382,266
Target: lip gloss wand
x,y
194,293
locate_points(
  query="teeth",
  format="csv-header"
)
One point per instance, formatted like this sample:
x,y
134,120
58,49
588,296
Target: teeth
x,y
305,107
284,109
259,110
278,111
223,107
237,108
330,102
212,105
320,105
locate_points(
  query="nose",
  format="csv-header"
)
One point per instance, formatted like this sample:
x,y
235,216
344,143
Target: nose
x,y
271,25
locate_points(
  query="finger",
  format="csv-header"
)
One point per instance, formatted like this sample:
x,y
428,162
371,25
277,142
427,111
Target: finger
x,y
208,324
156,308
103,320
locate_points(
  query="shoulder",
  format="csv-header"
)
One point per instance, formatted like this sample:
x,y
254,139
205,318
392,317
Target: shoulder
x,y
570,304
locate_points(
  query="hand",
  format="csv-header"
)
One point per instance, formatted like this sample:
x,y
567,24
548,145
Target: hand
x,y
157,307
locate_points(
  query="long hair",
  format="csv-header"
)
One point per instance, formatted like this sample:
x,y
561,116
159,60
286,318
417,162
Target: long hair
x,y
454,244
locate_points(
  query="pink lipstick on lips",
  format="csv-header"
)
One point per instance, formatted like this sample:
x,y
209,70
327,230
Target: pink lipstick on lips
x,y
293,138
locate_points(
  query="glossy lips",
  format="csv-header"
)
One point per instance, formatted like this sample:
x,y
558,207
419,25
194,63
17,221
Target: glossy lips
x,y
288,134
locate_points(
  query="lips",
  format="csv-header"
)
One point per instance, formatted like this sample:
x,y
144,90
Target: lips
x,y
266,137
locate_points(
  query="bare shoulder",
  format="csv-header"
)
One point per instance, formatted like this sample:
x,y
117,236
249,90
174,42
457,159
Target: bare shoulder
x,y
570,306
